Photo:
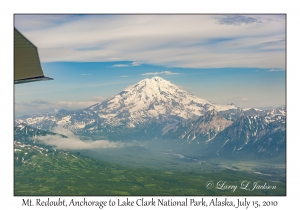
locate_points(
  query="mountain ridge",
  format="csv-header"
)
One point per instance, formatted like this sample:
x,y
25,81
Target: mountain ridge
x,y
157,109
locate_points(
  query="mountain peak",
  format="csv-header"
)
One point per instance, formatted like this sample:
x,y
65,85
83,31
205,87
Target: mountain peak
x,y
156,78
211,112
155,81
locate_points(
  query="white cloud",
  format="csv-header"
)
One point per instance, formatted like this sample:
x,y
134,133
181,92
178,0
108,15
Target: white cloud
x,y
73,142
274,70
236,20
120,65
151,73
136,63
195,41
85,74
169,73
40,106
124,76
157,73
31,22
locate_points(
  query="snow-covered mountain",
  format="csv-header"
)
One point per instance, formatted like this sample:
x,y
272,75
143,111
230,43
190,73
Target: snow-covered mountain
x,y
150,100
260,129
205,128
254,134
153,99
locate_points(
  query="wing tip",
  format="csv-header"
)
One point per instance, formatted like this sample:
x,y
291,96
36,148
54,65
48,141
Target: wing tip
x,y
33,79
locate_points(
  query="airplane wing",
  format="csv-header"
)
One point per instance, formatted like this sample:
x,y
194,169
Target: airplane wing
x,y
27,66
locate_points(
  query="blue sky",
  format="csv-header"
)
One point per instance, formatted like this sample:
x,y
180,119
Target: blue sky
x,y
236,59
